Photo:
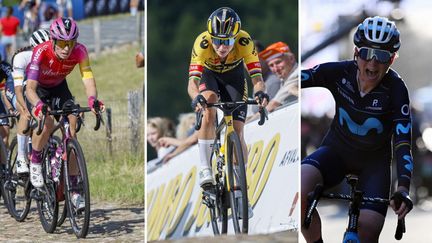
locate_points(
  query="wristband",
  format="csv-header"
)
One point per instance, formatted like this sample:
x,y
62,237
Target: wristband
x,y
38,107
91,101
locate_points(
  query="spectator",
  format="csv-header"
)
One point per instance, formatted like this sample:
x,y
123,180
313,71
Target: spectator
x,y
31,16
186,136
272,82
65,4
134,7
139,59
9,27
282,62
49,14
158,127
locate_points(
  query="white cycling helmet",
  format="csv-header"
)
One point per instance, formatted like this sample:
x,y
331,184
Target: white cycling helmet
x,y
378,32
39,36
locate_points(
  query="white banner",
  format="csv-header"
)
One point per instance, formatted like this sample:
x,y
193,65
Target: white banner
x,y
174,204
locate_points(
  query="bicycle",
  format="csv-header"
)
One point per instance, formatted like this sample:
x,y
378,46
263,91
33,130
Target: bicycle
x,y
355,198
3,168
18,187
221,196
74,182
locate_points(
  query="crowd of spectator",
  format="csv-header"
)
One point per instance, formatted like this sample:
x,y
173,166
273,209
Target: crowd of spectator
x,y
37,14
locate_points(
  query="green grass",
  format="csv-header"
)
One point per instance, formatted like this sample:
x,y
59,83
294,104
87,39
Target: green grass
x,y
119,177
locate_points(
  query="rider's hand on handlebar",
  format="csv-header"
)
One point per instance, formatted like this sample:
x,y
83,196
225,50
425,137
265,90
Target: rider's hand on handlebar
x,y
37,110
198,103
95,105
401,203
262,98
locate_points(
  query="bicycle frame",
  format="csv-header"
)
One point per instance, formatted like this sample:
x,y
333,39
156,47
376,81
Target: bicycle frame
x,y
226,155
355,198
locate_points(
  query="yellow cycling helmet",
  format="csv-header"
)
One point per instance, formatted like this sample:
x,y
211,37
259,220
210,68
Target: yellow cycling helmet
x,y
223,23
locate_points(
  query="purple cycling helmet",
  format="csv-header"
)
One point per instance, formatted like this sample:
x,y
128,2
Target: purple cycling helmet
x,y
64,29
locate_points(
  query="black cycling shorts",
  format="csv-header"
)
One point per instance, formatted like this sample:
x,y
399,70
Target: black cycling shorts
x,y
230,86
54,97
372,169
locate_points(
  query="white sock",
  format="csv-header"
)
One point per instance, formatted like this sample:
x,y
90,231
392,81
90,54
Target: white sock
x,y
22,143
205,150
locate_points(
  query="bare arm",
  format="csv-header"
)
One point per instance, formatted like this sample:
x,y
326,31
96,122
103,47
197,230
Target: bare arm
x,y
31,92
90,87
189,141
258,84
6,101
193,88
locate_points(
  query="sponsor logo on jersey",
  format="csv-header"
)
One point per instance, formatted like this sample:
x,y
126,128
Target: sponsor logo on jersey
x,y
347,84
346,96
375,106
202,87
244,41
51,73
408,166
34,67
36,55
359,129
405,110
400,128
253,65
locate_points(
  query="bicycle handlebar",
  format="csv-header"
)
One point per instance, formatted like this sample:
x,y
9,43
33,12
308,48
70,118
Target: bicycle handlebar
x,y
230,106
67,111
318,193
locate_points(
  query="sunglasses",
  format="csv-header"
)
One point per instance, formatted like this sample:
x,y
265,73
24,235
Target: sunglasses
x,y
225,42
381,56
63,43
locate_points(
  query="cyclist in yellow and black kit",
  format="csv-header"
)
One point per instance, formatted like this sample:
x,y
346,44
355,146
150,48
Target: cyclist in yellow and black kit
x,y
219,57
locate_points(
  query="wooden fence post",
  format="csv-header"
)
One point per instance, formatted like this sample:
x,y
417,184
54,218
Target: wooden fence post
x,y
109,130
134,115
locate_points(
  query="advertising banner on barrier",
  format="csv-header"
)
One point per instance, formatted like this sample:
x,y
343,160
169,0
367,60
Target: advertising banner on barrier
x,y
174,204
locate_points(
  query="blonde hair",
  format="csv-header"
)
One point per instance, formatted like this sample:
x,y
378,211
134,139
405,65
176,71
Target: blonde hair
x,y
163,125
186,122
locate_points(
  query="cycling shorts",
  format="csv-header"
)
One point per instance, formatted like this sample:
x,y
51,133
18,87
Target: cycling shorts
x,y
230,86
54,97
373,171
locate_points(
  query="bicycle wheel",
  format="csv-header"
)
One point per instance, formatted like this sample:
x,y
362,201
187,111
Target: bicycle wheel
x,y
79,218
3,173
237,182
47,203
17,188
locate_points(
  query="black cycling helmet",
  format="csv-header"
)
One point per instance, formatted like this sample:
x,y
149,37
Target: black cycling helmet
x,y
223,23
379,33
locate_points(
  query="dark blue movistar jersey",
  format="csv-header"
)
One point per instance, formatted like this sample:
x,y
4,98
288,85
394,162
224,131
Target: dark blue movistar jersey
x,y
367,124
6,75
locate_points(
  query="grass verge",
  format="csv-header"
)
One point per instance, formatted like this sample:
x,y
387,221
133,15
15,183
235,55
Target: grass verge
x,y
119,177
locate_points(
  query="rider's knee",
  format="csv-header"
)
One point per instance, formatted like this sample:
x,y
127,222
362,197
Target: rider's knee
x,y
49,123
370,225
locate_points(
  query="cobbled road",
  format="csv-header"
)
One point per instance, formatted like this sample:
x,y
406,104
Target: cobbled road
x,y
109,223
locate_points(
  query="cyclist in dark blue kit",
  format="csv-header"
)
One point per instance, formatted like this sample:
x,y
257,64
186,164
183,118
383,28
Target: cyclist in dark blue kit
x,y
372,122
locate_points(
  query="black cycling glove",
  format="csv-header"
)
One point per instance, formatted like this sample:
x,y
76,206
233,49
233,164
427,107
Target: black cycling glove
x,y
401,196
261,96
198,99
